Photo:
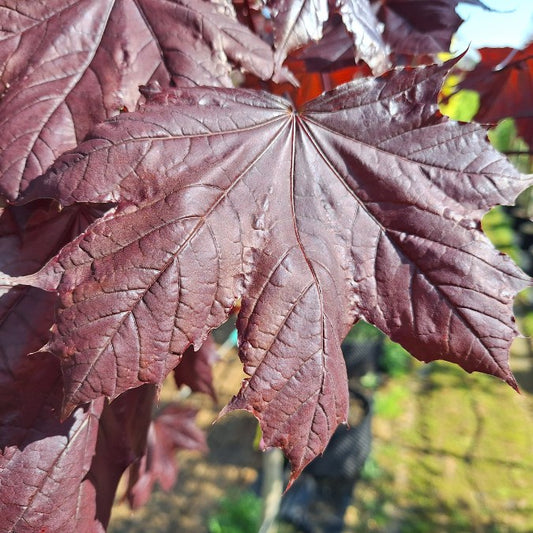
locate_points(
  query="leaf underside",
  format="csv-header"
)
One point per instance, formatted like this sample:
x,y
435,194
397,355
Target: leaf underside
x,y
365,204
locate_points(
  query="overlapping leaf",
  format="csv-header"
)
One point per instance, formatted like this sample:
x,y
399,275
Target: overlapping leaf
x,y
173,428
68,64
300,21
366,204
418,27
41,458
121,443
333,51
320,66
504,81
195,368
49,463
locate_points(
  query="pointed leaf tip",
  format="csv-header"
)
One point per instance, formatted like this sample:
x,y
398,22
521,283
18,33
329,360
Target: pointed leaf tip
x,y
511,381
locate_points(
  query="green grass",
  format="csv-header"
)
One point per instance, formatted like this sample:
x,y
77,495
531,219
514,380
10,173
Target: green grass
x,y
238,513
452,452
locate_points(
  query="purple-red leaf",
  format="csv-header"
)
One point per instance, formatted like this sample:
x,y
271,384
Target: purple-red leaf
x,y
173,429
41,470
41,459
419,27
333,51
361,22
296,22
195,368
365,204
122,441
68,64
504,79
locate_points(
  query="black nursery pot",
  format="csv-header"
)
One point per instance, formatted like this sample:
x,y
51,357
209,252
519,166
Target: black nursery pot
x,y
317,501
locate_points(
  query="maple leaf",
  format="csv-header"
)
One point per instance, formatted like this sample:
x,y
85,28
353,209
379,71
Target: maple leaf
x,y
174,428
29,236
66,65
417,27
49,463
35,445
333,51
121,443
364,204
195,368
299,21
321,66
503,79
313,73
42,459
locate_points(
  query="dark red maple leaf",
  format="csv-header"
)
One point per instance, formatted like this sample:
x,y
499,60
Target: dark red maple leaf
x,y
68,64
195,368
297,22
122,442
29,236
419,27
86,455
48,464
333,51
504,80
41,458
320,66
366,203
173,429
